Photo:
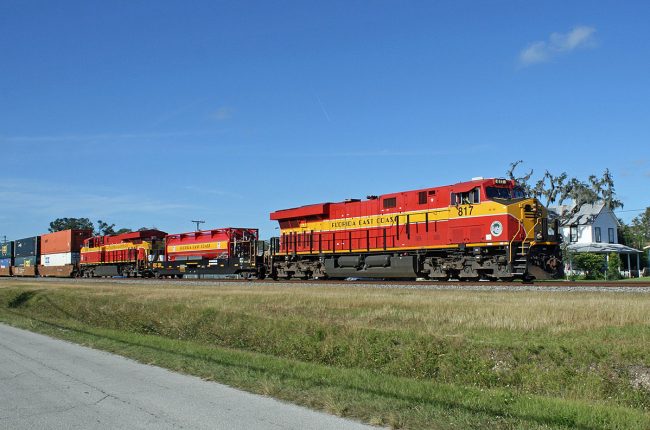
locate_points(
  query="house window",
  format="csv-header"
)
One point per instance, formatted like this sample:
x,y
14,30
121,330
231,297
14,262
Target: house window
x,y
610,234
422,197
390,203
573,233
597,234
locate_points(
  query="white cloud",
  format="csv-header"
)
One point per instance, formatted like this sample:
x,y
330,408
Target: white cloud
x,y
557,43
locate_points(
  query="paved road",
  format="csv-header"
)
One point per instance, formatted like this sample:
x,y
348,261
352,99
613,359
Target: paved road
x,y
47,383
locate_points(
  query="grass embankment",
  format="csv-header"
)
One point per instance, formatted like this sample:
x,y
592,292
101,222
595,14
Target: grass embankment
x,y
403,358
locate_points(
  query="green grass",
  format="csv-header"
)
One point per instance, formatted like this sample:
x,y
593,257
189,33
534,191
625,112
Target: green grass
x,y
403,358
641,279
582,279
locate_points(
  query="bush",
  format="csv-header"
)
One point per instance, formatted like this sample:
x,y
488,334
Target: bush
x,y
592,264
614,266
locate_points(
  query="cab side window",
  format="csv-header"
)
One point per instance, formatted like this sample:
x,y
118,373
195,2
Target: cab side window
x,y
466,198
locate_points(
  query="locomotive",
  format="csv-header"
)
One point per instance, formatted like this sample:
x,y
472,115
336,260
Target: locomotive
x,y
480,229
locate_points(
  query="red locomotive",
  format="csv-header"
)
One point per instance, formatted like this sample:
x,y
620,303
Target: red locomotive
x,y
484,228
127,254
211,253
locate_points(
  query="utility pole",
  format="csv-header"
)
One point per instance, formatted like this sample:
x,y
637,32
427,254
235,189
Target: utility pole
x,y
197,224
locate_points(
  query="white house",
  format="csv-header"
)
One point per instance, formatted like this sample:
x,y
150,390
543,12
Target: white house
x,y
594,228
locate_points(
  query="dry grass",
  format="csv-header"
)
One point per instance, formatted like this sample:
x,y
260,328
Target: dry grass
x,y
449,312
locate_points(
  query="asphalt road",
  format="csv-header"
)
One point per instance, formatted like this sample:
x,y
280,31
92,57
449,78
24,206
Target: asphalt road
x,y
47,383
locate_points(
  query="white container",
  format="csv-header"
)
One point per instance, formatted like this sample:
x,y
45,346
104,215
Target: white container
x,y
62,259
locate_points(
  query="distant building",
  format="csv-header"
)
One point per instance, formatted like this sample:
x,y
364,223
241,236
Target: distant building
x,y
594,229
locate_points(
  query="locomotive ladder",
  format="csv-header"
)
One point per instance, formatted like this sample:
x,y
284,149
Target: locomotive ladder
x,y
520,260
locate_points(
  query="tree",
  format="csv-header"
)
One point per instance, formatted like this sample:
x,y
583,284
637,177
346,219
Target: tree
x,y
637,233
551,189
592,264
522,181
604,188
104,228
60,224
123,230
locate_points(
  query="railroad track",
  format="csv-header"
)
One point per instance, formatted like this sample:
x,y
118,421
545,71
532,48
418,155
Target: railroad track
x,y
426,284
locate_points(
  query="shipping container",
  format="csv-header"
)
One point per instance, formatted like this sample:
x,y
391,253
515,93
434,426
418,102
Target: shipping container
x,y
7,250
28,247
5,262
60,259
25,261
64,241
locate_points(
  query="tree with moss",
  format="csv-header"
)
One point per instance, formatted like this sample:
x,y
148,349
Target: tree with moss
x,y
552,189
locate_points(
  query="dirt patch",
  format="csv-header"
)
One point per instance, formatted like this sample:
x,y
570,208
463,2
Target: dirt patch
x,y
640,377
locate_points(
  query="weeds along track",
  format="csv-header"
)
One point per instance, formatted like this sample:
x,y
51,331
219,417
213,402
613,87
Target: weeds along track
x,y
555,286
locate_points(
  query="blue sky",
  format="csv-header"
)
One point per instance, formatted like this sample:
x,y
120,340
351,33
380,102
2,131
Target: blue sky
x,y
157,113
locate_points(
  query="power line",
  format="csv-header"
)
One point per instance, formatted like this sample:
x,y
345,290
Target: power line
x,y
631,210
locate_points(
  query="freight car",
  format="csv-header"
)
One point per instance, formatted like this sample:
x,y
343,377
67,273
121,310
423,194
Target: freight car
x,y
128,254
6,258
480,229
26,256
211,254
60,253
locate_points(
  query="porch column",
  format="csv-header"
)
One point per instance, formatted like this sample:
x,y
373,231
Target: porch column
x,y
638,264
606,266
629,268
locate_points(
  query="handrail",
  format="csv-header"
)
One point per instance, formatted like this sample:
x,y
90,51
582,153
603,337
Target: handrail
x,y
519,224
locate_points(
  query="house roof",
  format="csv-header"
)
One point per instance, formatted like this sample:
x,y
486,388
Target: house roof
x,y
602,248
587,214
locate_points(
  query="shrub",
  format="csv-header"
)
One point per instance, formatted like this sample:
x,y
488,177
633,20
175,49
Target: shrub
x,y
592,264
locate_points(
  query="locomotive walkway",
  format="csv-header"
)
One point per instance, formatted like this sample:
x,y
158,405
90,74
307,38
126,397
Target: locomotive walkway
x,y
47,383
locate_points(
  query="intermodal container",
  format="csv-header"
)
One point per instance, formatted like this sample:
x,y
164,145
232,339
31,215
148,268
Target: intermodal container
x,y
28,247
5,263
60,259
7,250
26,261
65,241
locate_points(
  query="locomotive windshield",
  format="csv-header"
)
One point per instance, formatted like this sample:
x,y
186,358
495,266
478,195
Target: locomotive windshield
x,y
505,193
